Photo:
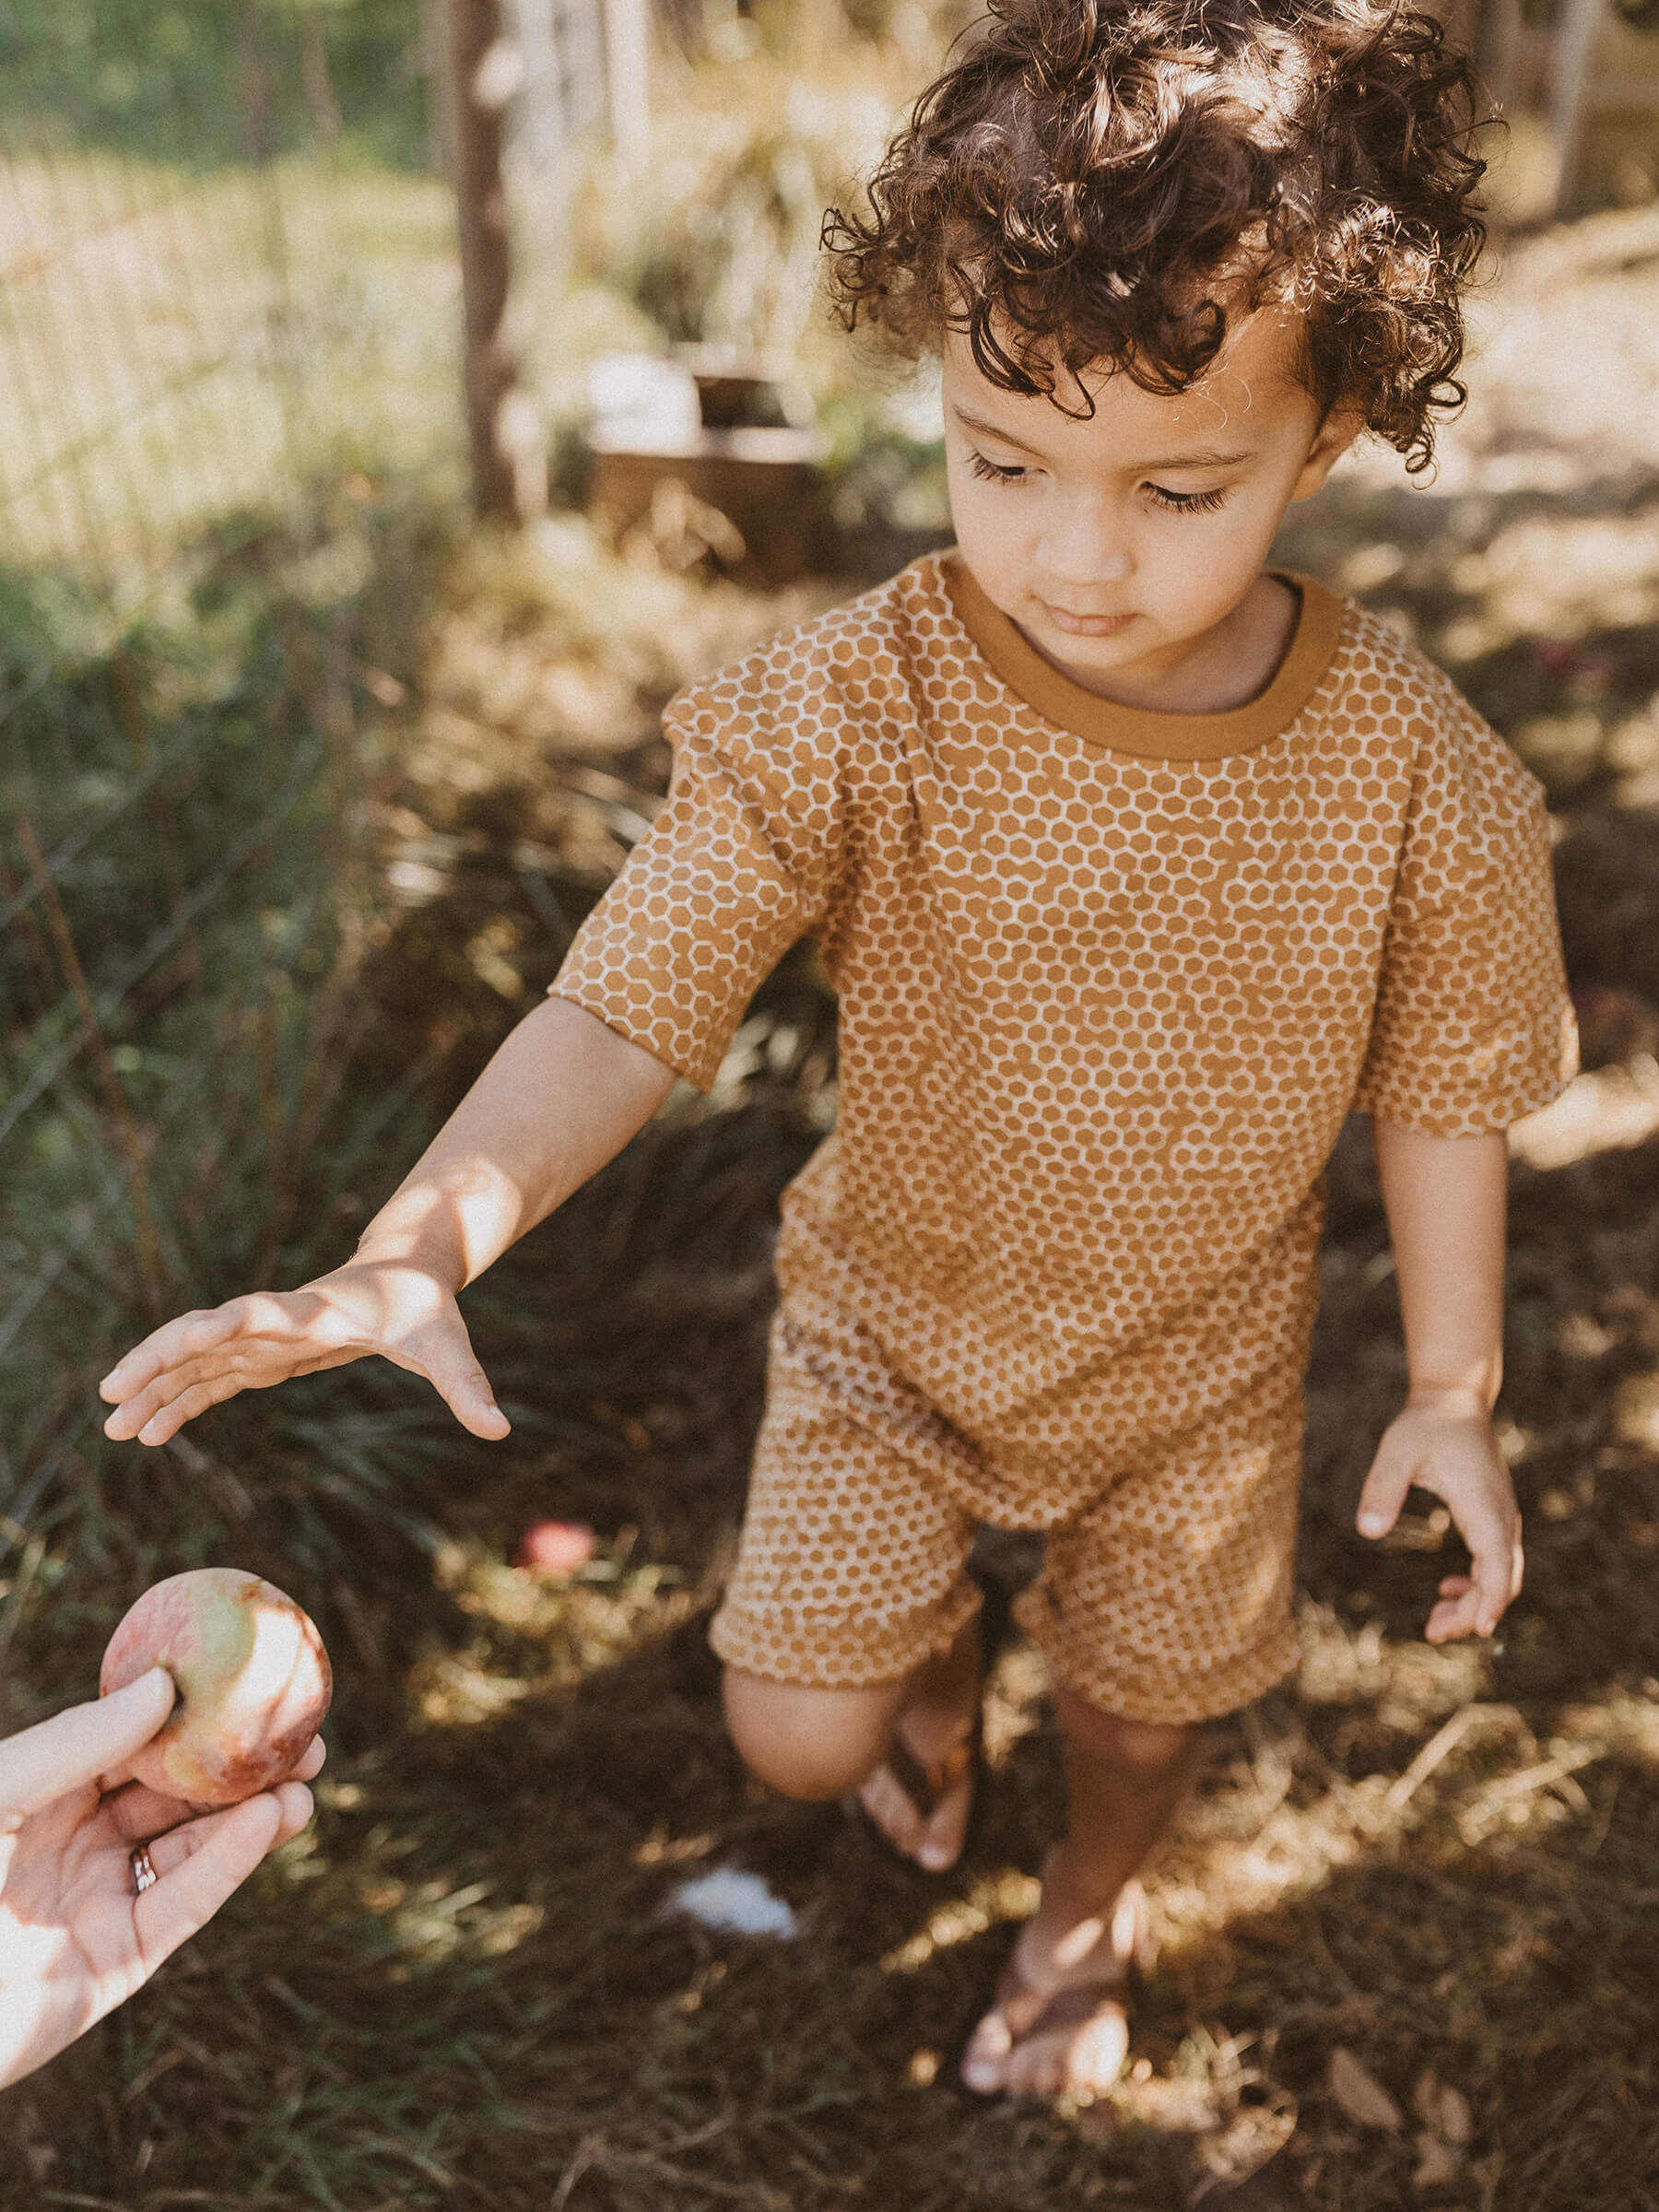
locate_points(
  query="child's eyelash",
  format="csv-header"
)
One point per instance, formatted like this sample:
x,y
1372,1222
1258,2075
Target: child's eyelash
x,y
1176,502
993,472
1187,502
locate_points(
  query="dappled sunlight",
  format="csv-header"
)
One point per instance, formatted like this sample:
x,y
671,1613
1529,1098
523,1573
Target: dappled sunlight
x,y
1410,1684
538,1633
1280,1821
431,1923
990,1902
1277,1819
1406,1921
1558,576
418,1920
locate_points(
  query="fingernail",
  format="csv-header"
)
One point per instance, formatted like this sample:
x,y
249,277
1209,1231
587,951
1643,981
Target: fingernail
x,y
1371,1525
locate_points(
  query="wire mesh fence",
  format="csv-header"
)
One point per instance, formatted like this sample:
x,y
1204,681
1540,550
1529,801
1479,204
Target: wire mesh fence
x,y
222,332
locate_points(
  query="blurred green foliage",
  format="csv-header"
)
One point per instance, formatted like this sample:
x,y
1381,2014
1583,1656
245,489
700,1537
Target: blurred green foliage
x,y
211,81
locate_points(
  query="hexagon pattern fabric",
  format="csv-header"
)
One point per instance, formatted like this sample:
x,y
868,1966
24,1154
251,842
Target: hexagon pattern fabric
x,y
1110,981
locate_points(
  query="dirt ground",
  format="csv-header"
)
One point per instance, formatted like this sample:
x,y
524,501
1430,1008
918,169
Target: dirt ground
x,y
1408,1924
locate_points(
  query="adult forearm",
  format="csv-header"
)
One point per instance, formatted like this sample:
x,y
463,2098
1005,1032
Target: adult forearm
x,y
1445,1200
561,1097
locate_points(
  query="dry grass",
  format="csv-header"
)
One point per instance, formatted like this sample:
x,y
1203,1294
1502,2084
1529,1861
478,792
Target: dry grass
x,y
459,1989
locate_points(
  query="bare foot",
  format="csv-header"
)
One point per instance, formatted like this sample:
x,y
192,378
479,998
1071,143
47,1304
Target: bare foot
x,y
1059,2024
921,1796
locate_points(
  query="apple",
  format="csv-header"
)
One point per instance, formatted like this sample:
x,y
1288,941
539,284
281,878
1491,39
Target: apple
x,y
253,1682
557,1547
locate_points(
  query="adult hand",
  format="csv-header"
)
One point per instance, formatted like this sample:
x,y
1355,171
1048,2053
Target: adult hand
x,y
395,1308
1446,1445
74,1940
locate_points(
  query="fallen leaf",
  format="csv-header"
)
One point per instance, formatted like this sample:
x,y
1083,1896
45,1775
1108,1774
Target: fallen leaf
x,y
1438,2163
1425,2097
1456,2122
1443,2110
1361,2095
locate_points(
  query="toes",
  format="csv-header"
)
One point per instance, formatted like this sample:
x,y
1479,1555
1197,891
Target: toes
x,y
984,2067
1079,2062
935,1843
940,1843
892,1812
1095,2056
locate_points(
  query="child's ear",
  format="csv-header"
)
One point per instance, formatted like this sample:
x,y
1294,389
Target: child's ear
x,y
1331,441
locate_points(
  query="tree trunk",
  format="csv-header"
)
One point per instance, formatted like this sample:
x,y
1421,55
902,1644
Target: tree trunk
x,y
502,427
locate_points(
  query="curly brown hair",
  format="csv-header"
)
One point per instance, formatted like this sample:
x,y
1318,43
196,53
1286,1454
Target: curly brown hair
x,y
1093,183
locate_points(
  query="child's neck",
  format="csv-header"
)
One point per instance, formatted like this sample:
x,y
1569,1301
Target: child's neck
x,y
1226,667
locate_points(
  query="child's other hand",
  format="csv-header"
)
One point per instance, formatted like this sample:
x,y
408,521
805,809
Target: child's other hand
x,y
394,1308
1445,1445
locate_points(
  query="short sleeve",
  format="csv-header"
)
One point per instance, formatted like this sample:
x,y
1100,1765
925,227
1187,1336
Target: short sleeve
x,y
1473,1026
738,866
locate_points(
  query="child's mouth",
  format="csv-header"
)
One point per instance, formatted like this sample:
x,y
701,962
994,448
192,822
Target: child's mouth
x,y
1085,626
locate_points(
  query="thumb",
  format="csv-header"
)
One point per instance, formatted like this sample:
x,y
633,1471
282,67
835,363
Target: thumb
x,y
452,1367
1385,1488
82,1744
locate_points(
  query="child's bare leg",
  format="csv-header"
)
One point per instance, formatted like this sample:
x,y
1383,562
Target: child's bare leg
x,y
821,1742
936,1716
1124,1779
808,1743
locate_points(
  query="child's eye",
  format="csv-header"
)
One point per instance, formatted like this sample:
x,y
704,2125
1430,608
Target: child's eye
x,y
994,472
1187,502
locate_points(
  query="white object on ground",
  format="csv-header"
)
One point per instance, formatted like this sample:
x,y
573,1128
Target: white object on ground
x,y
730,1899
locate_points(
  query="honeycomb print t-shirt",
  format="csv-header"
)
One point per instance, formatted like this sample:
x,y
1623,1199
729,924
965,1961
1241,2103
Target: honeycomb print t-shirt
x,y
1110,981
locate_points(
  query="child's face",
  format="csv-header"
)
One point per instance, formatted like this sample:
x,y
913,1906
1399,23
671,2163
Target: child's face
x,y
1127,544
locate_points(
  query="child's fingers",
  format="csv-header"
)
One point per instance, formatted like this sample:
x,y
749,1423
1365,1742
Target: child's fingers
x,y
179,1395
1473,1604
1495,1561
219,1349
1455,1616
1385,1488
279,1316
196,1399
248,1343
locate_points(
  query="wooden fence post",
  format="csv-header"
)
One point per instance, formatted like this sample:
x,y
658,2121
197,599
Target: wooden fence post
x,y
509,469
1572,58
627,68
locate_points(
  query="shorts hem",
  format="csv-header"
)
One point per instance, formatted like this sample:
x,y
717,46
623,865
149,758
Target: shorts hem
x,y
1143,1695
832,1653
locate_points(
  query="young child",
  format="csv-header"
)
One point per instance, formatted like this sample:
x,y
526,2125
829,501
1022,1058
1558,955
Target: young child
x,y
1137,867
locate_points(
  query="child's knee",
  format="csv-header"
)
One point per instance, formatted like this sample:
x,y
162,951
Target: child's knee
x,y
1151,1748
808,1743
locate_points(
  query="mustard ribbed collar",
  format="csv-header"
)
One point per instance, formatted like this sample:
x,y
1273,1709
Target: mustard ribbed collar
x,y
1142,730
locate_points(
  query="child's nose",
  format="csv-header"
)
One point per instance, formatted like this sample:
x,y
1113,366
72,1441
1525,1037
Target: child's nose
x,y
1086,546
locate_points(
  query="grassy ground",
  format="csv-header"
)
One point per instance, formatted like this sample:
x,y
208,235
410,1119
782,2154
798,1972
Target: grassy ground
x,y
1408,1920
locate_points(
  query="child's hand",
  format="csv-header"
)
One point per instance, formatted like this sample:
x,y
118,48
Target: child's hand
x,y
1446,1445
391,1307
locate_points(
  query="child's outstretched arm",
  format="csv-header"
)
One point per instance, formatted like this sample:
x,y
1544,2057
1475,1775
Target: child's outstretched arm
x,y
561,1097
1445,1201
